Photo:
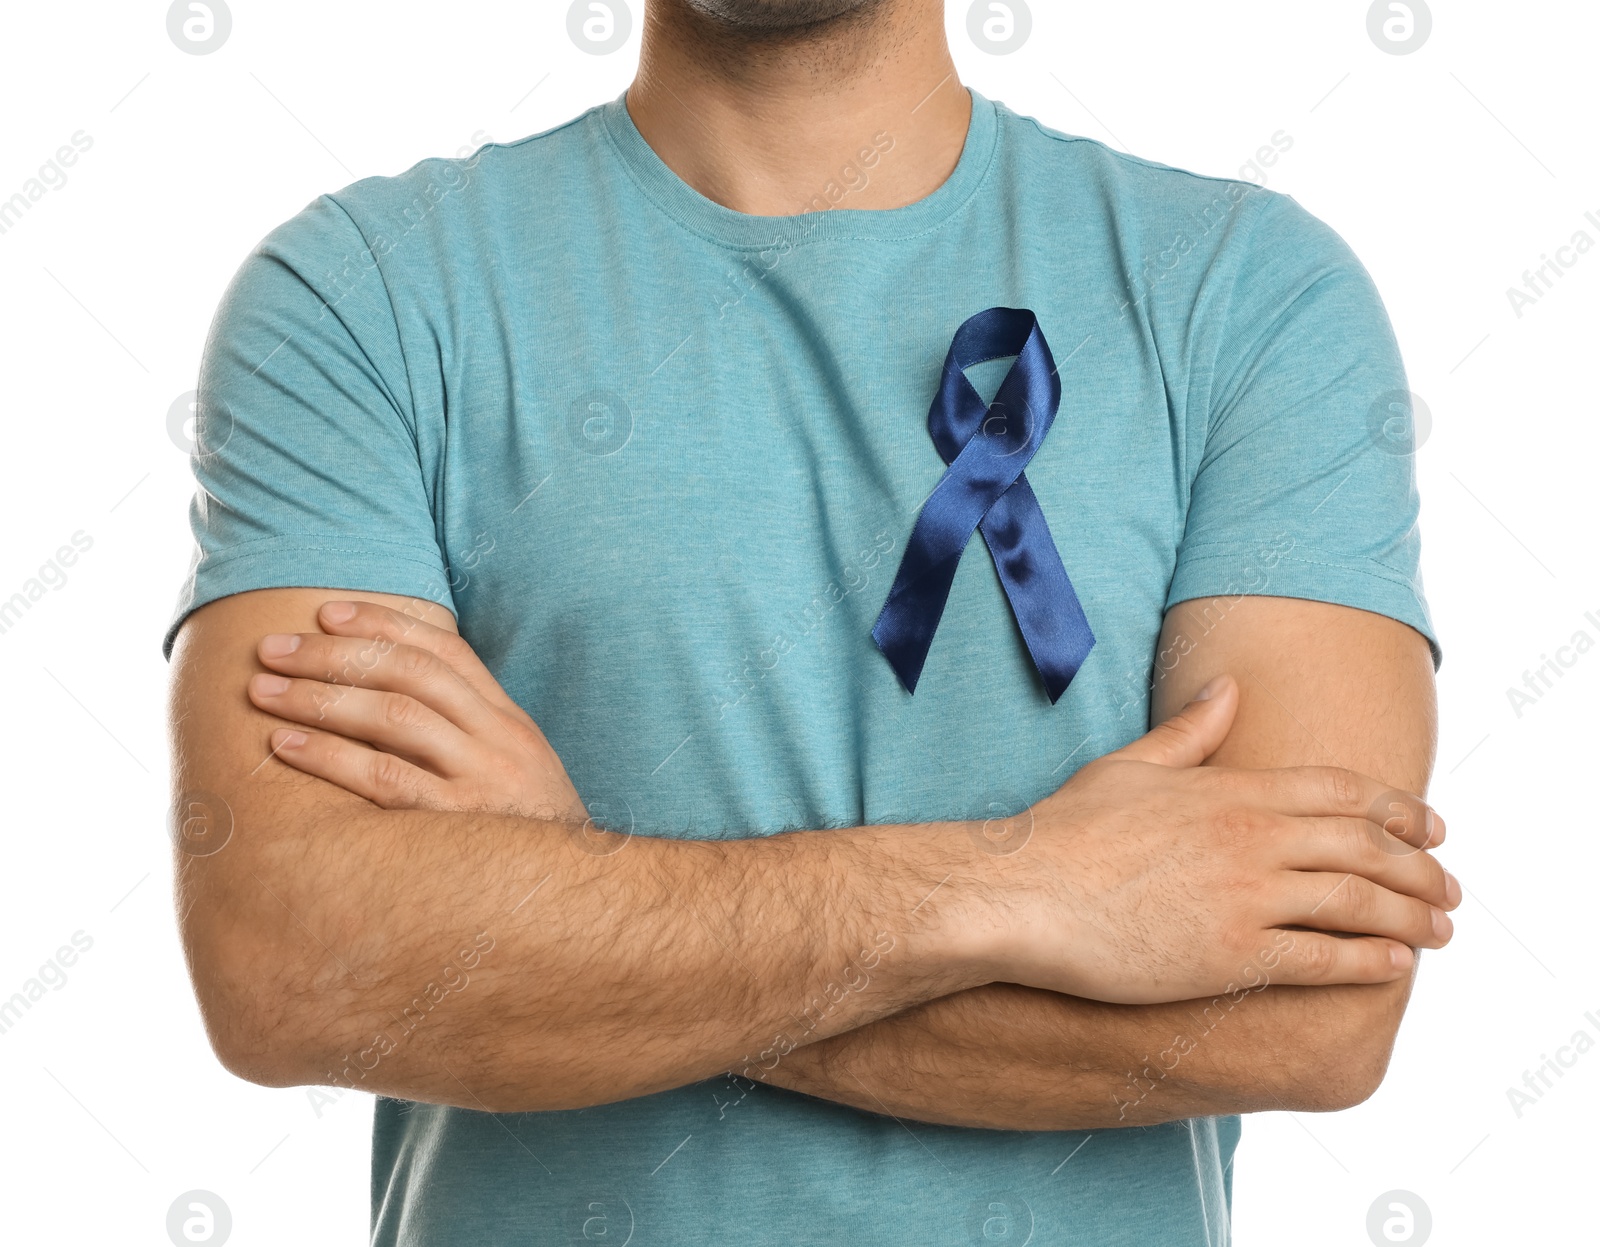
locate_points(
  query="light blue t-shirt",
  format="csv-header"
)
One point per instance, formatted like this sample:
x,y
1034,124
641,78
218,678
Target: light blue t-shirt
x,y
661,459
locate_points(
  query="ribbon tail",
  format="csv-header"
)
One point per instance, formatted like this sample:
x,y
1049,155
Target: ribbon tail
x,y
1036,583
911,613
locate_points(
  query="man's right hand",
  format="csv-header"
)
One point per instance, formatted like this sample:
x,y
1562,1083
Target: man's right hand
x,y
1147,878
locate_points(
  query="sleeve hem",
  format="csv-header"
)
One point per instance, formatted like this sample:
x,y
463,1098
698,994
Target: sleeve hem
x,y
1364,584
337,562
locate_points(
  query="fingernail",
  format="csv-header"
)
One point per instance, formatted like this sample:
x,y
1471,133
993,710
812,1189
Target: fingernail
x,y
1211,689
1400,957
339,612
287,740
1452,889
279,645
269,685
1441,924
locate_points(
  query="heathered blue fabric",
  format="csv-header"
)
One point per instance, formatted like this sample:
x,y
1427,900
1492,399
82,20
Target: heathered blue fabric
x,y
661,458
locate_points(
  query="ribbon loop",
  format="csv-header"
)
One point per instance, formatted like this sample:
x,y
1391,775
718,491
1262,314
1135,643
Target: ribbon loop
x,y
986,448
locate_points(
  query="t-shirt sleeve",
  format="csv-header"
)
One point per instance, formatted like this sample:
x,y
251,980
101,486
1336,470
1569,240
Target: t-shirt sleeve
x,y
1304,486
306,449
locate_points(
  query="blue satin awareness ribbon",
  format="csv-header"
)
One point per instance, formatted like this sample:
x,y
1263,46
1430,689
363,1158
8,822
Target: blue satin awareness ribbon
x,y
986,449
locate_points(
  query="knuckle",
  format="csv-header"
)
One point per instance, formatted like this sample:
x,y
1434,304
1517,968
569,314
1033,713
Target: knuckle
x,y
324,699
400,711
389,777
1241,933
412,663
1358,843
1237,824
1175,731
1360,903
1316,959
376,619
1342,788
316,651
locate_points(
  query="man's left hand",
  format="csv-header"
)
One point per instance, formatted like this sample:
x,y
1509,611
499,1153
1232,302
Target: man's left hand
x,y
406,715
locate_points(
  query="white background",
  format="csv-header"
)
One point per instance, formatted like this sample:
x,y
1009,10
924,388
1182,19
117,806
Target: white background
x,y
1450,170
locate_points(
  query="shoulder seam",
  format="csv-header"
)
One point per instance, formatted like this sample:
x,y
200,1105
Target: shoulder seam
x,y
556,129
1144,162
476,152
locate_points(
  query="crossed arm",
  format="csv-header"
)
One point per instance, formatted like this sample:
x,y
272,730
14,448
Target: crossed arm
x,y
1320,684
310,934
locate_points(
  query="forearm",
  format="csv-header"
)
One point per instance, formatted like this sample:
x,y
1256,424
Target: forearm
x,y
491,961
1004,1057
518,963
1009,1057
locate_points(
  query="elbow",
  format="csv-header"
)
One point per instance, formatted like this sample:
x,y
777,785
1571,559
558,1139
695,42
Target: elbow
x,y
255,1022
1340,1060
1341,1081
251,1031
274,1001
249,1059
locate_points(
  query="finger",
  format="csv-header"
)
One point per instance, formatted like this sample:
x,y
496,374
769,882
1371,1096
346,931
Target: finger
x,y
1317,960
1192,735
380,665
1408,818
1335,790
368,619
381,778
1328,902
390,721
1355,845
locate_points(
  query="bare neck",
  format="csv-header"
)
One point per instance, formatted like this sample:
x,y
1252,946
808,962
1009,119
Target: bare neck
x,y
866,112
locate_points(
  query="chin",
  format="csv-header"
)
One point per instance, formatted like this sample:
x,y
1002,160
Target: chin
x,y
779,15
